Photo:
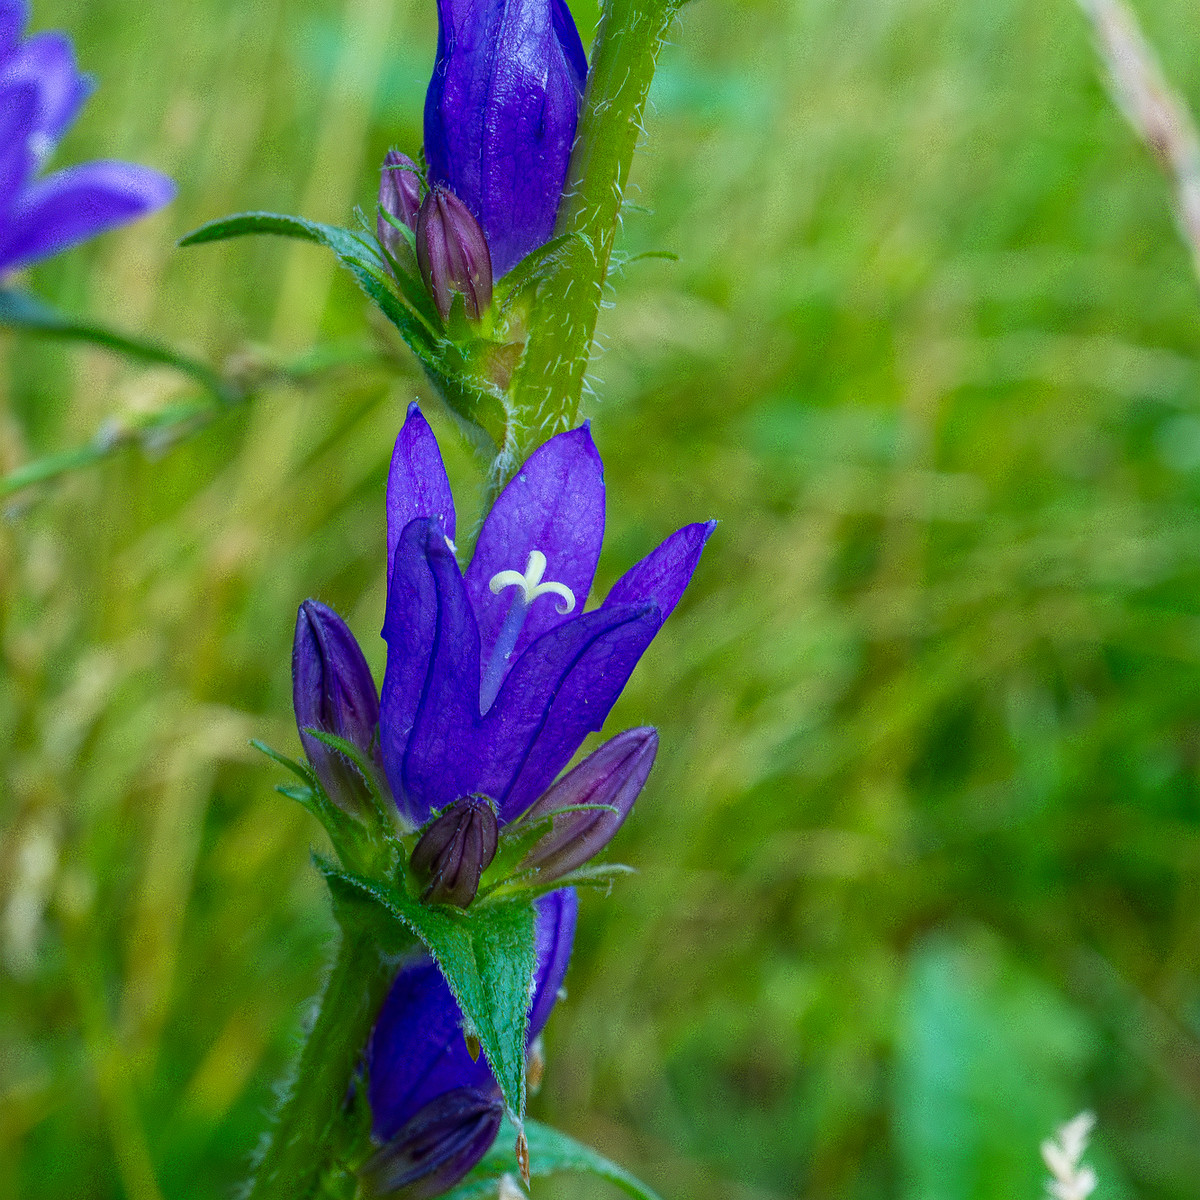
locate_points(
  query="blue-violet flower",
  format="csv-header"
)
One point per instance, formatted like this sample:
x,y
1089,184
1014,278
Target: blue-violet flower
x,y
501,113
41,92
494,677
435,1108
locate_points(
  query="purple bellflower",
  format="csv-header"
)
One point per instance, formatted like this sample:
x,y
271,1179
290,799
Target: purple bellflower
x,y
41,92
495,677
435,1108
500,115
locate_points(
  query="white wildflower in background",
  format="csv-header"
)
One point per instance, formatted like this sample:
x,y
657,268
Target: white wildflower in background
x,y
1071,1179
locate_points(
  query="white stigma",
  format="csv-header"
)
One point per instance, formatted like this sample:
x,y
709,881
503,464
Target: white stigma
x,y
40,147
531,584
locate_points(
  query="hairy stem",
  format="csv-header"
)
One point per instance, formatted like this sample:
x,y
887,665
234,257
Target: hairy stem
x,y
303,1139
548,383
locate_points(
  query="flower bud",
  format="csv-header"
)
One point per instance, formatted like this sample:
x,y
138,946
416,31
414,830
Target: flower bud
x,y
452,253
501,114
613,776
430,1154
399,197
332,690
455,851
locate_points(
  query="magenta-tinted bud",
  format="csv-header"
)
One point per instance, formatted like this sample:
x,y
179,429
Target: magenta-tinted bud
x,y
455,851
431,1153
332,690
400,197
614,776
452,253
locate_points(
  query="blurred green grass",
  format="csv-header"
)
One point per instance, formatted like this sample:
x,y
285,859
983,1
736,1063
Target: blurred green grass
x,y
919,863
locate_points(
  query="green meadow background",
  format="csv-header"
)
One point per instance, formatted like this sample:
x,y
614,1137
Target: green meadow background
x,y
919,865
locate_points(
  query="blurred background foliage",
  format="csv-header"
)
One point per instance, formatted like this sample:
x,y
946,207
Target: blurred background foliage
x,y
920,862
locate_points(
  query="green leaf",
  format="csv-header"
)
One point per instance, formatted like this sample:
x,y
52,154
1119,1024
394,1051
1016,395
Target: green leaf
x,y
486,953
20,310
525,883
549,1153
343,830
360,255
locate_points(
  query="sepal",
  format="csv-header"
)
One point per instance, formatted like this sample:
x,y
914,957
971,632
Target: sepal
x,y
550,1152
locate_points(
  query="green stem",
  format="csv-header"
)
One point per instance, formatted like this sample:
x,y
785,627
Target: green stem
x,y
162,429
24,312
303,1140
549,382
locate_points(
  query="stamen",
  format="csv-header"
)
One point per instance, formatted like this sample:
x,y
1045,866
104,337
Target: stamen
x,y
531,583
532,587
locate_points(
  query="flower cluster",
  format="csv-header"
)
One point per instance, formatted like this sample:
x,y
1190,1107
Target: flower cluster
x,y
494,677
500,119
41,93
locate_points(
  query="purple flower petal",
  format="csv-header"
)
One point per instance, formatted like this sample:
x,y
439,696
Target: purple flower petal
x,y
554,935
500,116
47,60
664,573
78,203
417,485
14,16
570,42
333,691
554,504
417,1051
561,689
430,699
436,1148
18,110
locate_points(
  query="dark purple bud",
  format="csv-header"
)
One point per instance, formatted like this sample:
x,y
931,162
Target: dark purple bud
x,y
455,851
613,776
501,114
431,1153
332,690
400,197
452,253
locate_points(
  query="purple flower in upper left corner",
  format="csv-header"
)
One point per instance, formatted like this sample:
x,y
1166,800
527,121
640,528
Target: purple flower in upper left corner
x,y
41,93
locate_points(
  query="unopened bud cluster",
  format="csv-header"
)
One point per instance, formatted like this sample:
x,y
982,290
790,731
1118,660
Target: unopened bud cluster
x,y
451,248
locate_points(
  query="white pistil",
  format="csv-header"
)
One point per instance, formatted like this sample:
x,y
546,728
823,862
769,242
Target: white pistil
x,y
531,584
532,587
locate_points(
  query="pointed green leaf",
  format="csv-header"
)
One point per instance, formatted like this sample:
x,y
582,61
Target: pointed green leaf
x,y
385,810
361,256
486,953
290,764
549,1153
